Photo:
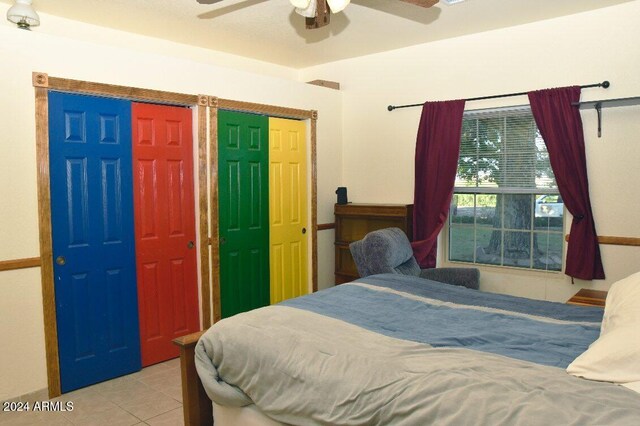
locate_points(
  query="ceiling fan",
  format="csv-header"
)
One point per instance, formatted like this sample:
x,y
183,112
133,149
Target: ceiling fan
x,y
317,13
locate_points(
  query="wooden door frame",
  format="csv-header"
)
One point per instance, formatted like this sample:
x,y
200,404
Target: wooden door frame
x,y
207,202
216,104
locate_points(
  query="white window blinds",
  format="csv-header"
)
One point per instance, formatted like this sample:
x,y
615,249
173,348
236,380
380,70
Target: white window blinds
x,y
501,151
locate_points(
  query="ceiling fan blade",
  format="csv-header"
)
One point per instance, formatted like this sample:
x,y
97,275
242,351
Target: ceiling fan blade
x,y
422,3
208,1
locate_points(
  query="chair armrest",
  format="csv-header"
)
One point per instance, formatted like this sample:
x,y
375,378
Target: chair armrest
x,y
466,277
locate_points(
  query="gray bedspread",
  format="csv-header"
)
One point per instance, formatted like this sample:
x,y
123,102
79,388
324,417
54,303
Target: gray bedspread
x,y
305,368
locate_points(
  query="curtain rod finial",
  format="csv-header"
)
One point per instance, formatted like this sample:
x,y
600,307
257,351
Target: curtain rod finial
x,y
390,108
606,84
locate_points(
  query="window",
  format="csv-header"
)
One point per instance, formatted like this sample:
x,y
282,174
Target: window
x,y
506,209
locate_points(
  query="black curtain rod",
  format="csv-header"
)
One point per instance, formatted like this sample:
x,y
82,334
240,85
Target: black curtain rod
x,y
604,84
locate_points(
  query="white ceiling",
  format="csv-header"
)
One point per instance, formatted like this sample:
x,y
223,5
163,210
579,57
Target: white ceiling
x,y
269,30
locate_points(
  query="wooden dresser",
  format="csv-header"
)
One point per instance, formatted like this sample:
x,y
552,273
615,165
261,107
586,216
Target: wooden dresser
x,y
354,221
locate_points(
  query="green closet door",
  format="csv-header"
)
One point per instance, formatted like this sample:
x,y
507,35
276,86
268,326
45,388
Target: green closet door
x,y
243,188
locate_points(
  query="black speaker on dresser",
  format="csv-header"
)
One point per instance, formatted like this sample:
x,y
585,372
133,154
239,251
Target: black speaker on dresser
x,y
342,195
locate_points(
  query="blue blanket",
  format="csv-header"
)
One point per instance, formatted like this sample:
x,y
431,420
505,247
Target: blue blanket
x,y
442,315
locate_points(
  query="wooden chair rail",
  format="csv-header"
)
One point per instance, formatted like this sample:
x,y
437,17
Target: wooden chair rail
x,y
618,241
13,264
326,226
196,405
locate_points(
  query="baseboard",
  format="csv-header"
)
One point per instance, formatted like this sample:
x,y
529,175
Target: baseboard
x,y
39,395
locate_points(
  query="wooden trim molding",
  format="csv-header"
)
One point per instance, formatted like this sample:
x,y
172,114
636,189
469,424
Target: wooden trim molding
x,y
13,264
116,91
618,241
40,79
46,244
203,173
325,83
314,200
214,204
326,226
271,110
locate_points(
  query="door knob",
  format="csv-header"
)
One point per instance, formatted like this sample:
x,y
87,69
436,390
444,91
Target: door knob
x,y
304,230
223,240
190,245
60,260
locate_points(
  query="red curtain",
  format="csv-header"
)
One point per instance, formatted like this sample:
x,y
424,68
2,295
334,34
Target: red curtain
x,y
561,127
437,150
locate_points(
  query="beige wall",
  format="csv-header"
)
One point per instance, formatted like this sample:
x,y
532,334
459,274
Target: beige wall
x,y
73,50
579,49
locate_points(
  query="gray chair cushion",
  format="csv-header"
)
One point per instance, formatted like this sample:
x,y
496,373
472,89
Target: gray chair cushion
x,y
383,251
410,267
467,277
388,251
358,257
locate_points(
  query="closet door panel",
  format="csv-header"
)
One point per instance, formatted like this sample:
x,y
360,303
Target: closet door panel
x,y
165,228
243,189
288,209
93,244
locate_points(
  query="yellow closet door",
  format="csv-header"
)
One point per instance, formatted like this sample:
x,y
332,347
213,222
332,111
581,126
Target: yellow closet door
x,y
287,208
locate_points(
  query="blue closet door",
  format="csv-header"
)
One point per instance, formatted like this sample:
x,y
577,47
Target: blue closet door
x,y
93,238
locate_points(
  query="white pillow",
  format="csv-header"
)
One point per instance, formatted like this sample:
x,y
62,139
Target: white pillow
x,y
615,356
623,304
634,386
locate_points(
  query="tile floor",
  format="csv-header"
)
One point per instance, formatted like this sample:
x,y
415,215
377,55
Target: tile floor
x,y
152,396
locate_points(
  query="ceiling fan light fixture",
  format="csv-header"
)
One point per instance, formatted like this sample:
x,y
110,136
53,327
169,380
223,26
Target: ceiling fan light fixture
x,y
337,6
309,11
23,15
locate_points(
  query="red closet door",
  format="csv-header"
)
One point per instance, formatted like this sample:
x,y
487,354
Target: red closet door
x,y
164,228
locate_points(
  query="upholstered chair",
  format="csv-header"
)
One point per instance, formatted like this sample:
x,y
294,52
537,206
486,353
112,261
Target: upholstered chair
x,y
388,251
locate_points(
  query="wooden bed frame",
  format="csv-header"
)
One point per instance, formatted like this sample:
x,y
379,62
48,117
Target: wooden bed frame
x,y
196,405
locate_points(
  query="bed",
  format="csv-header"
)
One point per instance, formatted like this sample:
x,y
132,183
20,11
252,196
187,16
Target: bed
x,y
394,349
